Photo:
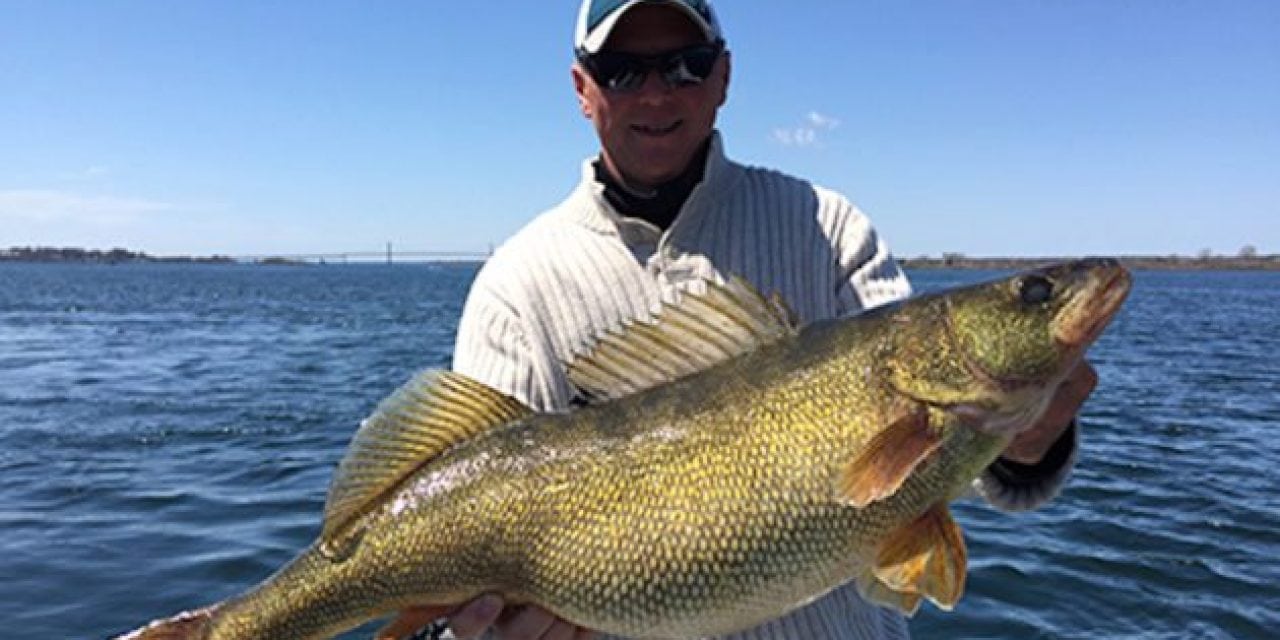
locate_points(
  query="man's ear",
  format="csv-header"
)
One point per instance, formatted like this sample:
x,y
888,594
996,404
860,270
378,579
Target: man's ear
x,y
581,84
724,88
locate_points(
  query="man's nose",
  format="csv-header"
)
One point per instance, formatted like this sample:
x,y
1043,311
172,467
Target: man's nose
x,y
653,88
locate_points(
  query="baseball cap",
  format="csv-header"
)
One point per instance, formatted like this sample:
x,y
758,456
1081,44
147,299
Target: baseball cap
x,y
597,18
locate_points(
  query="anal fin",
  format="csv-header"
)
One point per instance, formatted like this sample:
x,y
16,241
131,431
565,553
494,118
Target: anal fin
x,y
926,557
878,593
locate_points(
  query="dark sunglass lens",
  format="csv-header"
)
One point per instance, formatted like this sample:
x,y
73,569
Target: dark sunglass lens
x,y
617,72
701,60
689,66
628,79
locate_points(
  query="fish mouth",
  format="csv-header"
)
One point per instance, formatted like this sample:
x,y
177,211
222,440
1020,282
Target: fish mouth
x,y
1083,320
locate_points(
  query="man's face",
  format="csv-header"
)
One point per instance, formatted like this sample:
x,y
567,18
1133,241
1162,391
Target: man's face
x,y
651,134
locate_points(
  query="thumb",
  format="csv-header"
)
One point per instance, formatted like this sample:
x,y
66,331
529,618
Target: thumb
x,y
411,620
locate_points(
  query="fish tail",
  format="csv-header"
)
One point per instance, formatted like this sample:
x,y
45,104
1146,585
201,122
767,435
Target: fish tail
x,y
188,625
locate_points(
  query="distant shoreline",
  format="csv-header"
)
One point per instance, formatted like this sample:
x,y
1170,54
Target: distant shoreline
x,y
95,256
1144,263
76,255
1249,262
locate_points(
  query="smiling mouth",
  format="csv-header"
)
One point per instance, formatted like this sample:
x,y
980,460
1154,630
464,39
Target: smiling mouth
x,y
652,130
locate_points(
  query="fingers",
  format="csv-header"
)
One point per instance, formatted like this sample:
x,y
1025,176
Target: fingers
x,y
409,621
536,623
1082,381
1030,446
1071,394
560,630
475,617
525,623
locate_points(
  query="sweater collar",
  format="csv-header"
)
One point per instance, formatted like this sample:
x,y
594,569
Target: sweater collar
x,y
656,205
717,176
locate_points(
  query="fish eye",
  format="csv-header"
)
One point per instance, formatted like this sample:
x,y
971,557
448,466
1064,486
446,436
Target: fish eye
x,y
1035,289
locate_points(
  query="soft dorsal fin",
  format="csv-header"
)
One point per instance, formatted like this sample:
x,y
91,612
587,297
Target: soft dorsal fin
x,y
697,332
429,414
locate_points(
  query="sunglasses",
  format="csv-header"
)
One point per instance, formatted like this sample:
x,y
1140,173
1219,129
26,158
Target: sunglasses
x,y
626,72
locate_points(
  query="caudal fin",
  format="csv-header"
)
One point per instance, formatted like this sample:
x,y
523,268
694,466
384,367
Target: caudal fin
x,y
188,625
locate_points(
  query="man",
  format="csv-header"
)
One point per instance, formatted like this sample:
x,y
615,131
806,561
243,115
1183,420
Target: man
x,y
660,210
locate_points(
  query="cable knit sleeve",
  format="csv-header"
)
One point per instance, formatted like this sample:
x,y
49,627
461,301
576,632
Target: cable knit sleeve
x,y
1010,486
869,275
493,347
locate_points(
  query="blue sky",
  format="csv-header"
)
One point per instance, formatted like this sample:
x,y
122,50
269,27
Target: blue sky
x,y
1030,127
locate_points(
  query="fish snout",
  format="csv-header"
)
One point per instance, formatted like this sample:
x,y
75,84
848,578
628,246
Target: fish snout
x,y
1104,284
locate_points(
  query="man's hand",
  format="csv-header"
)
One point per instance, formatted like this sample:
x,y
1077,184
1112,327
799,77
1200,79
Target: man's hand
x,y
1030,446
475,617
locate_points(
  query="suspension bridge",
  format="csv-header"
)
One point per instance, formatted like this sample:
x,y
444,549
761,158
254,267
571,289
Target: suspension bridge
x,y
389,255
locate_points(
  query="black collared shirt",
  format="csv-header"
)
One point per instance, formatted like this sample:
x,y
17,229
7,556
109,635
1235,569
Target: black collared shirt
x,y
658,205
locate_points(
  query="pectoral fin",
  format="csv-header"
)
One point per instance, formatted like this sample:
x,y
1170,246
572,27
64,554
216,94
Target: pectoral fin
x,y
888,460
926,557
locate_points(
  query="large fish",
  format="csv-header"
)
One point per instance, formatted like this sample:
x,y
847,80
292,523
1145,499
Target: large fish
x,y
728,467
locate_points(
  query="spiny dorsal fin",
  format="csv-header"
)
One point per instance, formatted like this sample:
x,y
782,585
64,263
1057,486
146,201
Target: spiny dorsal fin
x,y
696,333
432,412
888,459
926,557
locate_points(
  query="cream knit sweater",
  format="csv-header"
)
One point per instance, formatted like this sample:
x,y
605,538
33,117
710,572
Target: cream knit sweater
x,y
581,269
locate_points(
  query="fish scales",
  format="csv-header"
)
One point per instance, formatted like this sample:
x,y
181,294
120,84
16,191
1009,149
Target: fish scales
x,y
579,514
571,509
705,504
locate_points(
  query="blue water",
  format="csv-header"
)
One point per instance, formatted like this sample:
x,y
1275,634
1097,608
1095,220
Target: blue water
x,y
167,433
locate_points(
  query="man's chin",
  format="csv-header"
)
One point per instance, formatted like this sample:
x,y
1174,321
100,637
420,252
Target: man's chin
x,y
651,179
657,168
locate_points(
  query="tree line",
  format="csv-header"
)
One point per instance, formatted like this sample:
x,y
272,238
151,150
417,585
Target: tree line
x,y
109,256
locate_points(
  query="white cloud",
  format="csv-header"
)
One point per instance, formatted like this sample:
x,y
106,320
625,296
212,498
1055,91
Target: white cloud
x,y
806,134
795,137
822,122
45,205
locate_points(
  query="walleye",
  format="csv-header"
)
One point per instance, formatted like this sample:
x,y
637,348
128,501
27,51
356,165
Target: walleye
x,y
729,467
